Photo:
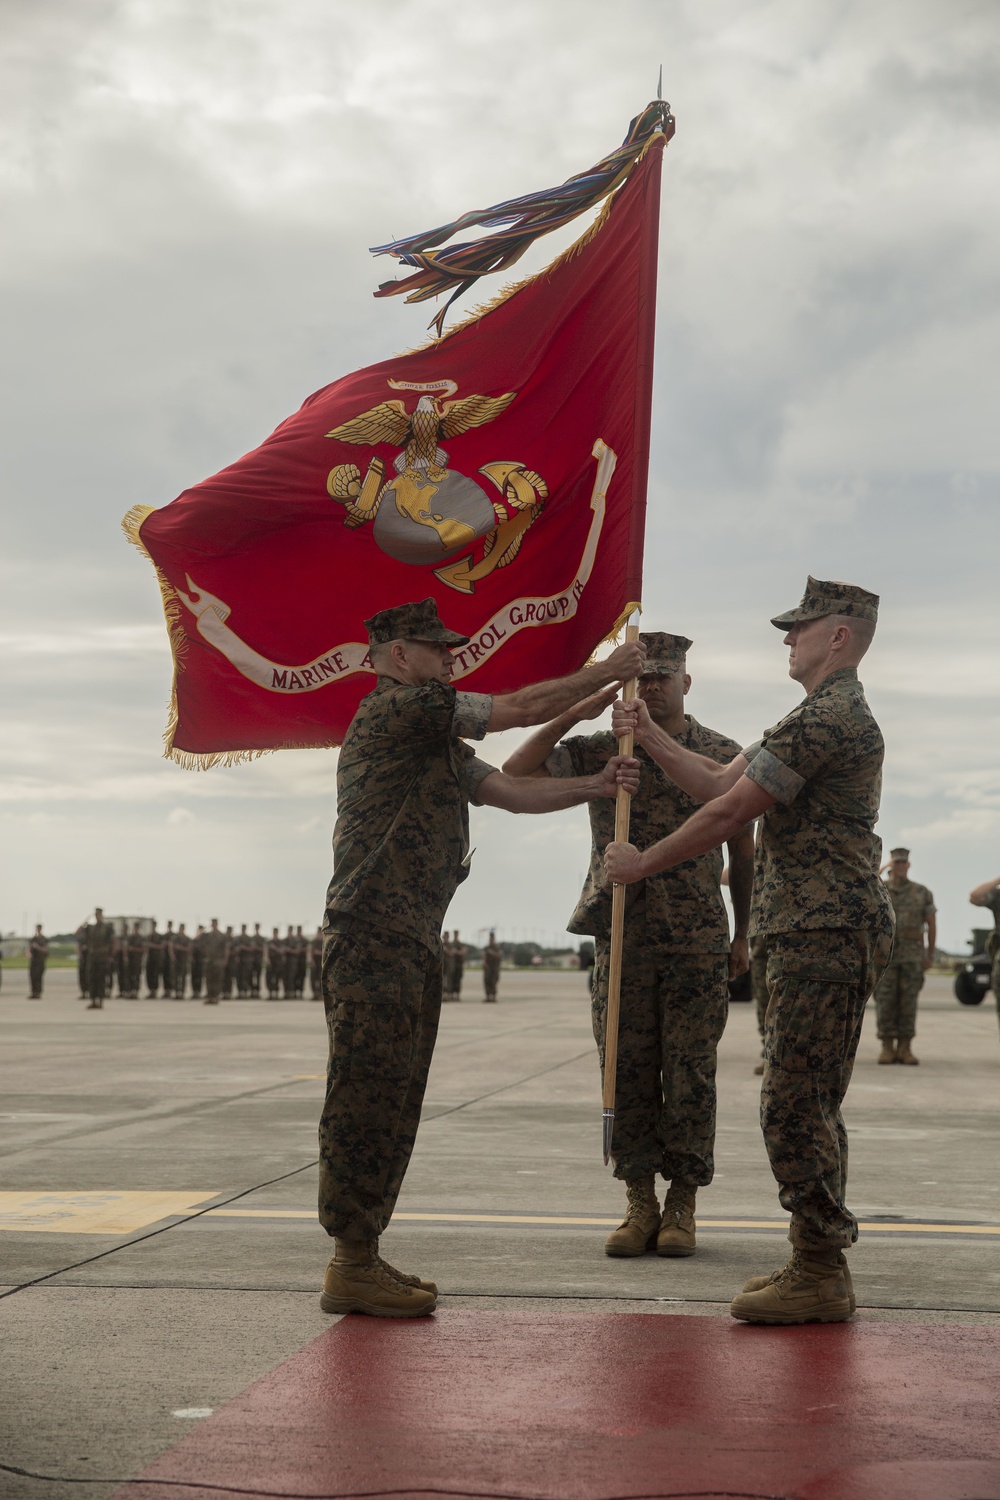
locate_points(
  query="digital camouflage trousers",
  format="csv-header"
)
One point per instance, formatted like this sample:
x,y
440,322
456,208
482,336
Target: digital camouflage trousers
x,y
758,979
818,983
382,996
673,1013
896,999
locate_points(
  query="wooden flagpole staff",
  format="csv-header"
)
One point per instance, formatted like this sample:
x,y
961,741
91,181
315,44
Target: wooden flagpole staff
x,y
623,807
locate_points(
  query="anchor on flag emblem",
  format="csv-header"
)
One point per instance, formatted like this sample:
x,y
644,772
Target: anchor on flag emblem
x,y
429,512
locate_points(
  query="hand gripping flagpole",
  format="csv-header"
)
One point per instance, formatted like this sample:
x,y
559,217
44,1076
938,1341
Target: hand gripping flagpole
x,y
623,807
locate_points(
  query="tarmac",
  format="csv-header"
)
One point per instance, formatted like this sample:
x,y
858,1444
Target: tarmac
x,y
160,1263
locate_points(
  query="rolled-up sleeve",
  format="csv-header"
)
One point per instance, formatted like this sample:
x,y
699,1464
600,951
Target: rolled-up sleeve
x,y
560,763
474,772
472,715
774,777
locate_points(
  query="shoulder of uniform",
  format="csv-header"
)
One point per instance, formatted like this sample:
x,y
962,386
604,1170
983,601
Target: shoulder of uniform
x,y
714,738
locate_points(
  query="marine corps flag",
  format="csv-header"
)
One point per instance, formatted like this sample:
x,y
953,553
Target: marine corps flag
x,y
501,469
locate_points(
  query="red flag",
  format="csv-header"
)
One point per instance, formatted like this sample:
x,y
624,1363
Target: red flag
x,y
501,469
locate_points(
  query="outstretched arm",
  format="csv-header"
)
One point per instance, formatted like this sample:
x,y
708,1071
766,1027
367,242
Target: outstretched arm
x,y
978,896
545,700
529,794
701,778
710,826
529,759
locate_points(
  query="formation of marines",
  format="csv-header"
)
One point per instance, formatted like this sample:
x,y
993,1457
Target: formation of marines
x,y
811,914
219,964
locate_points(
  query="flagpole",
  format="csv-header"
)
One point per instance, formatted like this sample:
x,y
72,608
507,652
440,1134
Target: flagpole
x,y
623,807
640,470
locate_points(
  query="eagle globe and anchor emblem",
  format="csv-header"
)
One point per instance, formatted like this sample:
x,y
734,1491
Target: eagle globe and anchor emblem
x,y
427,513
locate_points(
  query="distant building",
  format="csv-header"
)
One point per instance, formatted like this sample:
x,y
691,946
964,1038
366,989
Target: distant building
x,y
122,925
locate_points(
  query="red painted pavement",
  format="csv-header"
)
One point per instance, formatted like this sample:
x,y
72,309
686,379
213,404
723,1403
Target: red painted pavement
x,y
584,1406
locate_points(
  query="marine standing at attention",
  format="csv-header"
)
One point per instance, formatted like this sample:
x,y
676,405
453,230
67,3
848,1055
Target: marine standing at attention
x,y
135,952
182,961
491,969
676,958
100,941
447,965
154,961
257,946
38,957
197,962
457,965
814,780
912,955
405,779
215,948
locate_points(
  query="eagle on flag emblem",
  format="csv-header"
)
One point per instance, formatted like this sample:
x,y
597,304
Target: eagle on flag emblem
x,y
428,512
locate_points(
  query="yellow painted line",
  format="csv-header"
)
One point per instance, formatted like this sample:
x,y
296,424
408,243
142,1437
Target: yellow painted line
x,y
93,1213
881,1228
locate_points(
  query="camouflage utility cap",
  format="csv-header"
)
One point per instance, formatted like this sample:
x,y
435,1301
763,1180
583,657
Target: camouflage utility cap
x,y
899,853
411,622
664,653
822,599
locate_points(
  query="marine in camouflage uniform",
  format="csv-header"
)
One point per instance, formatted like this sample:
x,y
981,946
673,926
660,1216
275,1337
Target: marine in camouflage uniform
x,y
197,962
167,969
675,958
182,961
301,961
81,958
100,942
135,952
257,947
447,966
229,972
38,957
215,949
291,954
274,963
491,969
405,779
242,961
897,991
154,962
457,965
815,781
988,895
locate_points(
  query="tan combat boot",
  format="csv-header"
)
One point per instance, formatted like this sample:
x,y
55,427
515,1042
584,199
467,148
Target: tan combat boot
x,y
757,1283
404,1277
677,1227
812,1288
356,1281
904,1055
637,1232
888,1053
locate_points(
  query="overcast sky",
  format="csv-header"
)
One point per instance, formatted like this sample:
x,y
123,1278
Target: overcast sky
x,y
188,190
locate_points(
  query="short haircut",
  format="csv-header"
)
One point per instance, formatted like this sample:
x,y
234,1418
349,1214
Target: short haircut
x,y
379,655
862,631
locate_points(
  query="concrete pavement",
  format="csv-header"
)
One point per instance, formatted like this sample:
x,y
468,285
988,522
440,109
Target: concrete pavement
x,y
157,1191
